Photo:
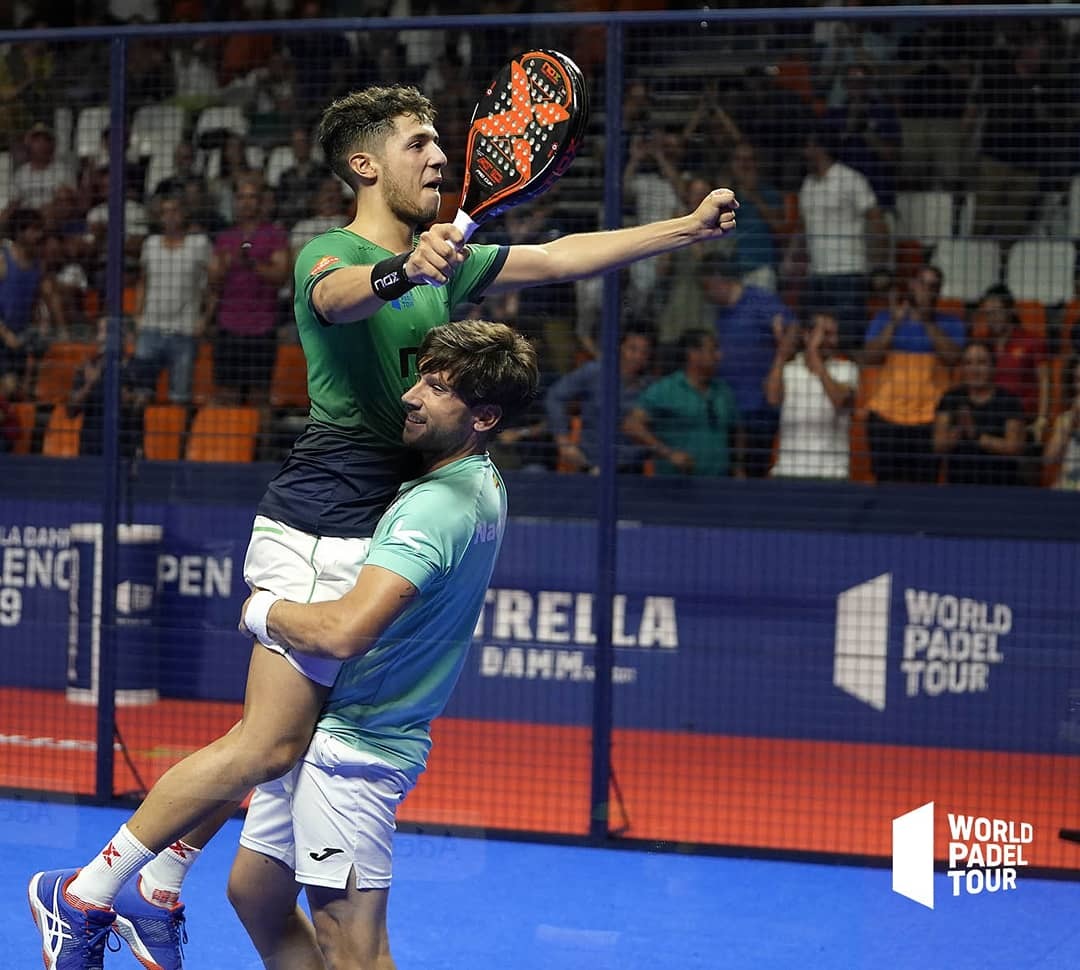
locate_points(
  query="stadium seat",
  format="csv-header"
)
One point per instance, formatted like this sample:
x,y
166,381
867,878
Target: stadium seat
x,y
925,216
969,266
952,307
1043,270
226,434
56,371
288,384
203,388
163,431
156,129
62,433
25,414
1032,316
7,175
220,118
280,159
89,127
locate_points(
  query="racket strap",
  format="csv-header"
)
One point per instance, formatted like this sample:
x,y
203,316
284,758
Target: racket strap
x,y
389,279
463,222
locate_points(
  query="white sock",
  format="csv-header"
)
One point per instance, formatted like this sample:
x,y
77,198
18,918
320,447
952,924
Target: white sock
x,y
162,877
100,881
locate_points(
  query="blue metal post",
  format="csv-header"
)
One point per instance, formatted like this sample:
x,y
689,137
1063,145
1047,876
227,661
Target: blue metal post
x,y
607,496
111,456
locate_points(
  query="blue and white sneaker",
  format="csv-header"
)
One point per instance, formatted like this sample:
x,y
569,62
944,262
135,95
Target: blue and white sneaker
x,y
155,934
72,938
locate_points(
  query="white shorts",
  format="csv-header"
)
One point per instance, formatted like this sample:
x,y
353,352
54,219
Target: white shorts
x,y
334,811
305,569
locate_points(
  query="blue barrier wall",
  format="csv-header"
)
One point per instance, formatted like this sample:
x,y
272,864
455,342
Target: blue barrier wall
x,y
944,641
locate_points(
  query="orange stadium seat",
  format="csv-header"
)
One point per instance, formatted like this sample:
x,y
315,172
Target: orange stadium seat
x,y
56,371
163,431
1032,316
62,434
223,434
203,388
288,384
25,414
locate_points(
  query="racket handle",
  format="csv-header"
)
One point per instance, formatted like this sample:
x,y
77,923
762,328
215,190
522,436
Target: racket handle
x,y
463,221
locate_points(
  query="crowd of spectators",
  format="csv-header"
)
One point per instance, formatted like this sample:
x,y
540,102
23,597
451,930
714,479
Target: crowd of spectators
x,y
763,355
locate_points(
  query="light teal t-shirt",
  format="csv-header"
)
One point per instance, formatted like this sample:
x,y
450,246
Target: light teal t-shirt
x,y
442,533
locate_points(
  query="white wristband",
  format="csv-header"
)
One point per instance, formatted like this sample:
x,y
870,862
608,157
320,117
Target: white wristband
x,y
257,613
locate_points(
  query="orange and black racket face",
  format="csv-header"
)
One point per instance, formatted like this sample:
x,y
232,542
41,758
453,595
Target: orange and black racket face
x,y
525,131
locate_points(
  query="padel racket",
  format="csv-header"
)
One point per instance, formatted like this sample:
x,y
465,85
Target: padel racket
x,y
525,131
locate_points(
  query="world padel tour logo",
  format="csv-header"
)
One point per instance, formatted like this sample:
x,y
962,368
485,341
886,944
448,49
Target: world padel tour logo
x,y
950,642
984,854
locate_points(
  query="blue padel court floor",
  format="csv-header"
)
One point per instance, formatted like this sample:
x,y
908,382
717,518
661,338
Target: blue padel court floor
x,y
493,905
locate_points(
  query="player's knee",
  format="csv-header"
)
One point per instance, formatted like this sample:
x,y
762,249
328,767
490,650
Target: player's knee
x,y
243,898
280,757
260,759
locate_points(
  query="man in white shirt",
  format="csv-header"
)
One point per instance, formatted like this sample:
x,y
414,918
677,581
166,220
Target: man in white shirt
x,y
170,299
38,178
815,392
845,236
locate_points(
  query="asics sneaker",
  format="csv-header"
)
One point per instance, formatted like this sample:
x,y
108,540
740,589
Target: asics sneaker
x,y
73,937
156,934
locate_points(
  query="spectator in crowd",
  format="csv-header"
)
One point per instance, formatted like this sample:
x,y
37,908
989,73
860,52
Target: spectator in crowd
x,y
271,97
583,388
23,283
28,83
136,215
194,69
202,213
1022,110
320,60
686,306
88,399
170,299
754,101
814,391
687,419
150,78
652,180
915,346
1022,369
979,427
301,181
38,178
1064,444
868,133
9,422
844,234
749,324
935,94
183,171
710,132
233,166
328,211
250,263
63,271
761,219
